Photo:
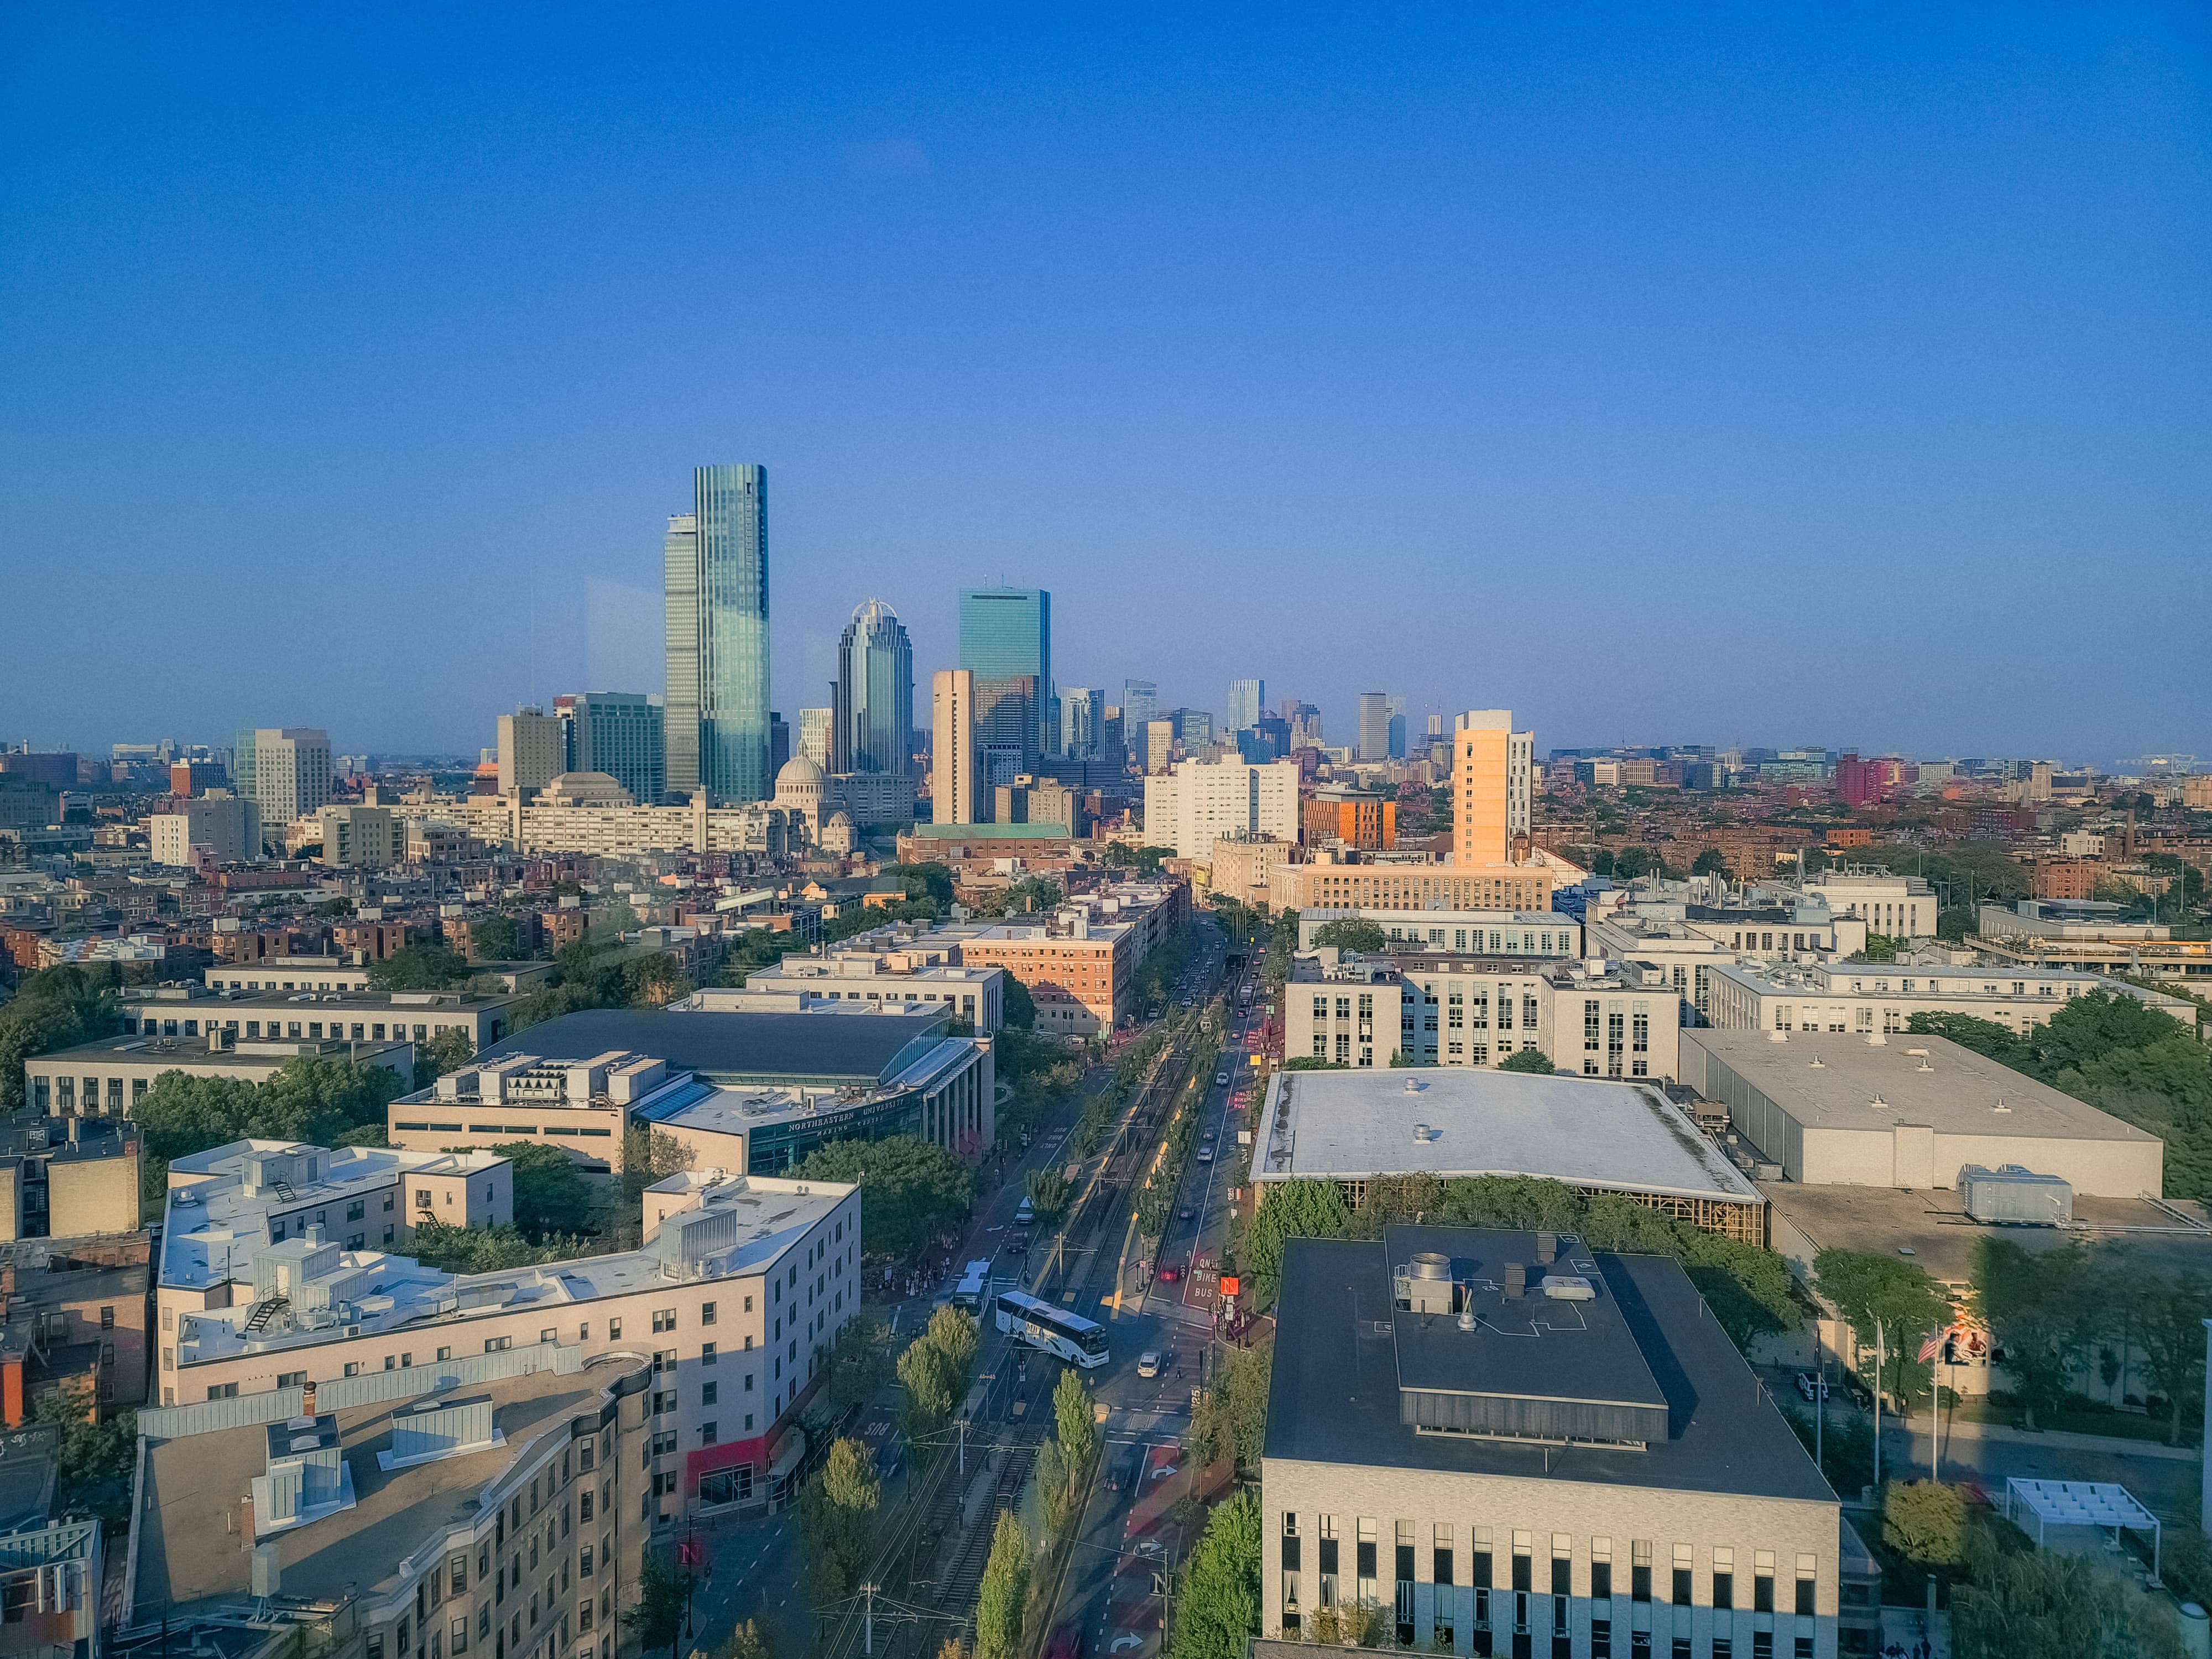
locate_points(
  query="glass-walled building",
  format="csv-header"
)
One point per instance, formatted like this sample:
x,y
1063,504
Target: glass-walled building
x,y
873,723
1005,640
716,601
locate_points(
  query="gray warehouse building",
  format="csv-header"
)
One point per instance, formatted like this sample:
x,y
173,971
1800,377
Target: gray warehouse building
x,y
1908,1111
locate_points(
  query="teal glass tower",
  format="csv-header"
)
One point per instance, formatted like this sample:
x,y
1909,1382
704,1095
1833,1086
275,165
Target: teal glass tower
x,y
1005,637
715,599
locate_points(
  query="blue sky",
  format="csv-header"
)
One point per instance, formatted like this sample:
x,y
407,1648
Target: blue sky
x,y
1766,374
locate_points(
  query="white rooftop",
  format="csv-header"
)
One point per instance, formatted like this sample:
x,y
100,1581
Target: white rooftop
x,y
757,1220
1453,1122
217,1218
1832,1080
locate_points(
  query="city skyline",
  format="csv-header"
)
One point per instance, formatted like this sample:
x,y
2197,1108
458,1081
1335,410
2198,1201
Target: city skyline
x,y
1632,312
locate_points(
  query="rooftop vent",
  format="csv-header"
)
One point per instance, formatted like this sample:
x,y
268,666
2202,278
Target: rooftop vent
x,y
1879,1103
1425,1132
1820,1064
1548,1248
1569,1287
1414,1086
1431,1264
2001,1106
1517,1281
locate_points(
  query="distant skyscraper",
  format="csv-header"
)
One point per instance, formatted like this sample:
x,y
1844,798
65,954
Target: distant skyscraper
x,y
285,771
1397,707
621,733
1005,640
1246,699
1374,726
1304,722
1140,707
715,596
532,749
953,767
1082,723
814,733
872,727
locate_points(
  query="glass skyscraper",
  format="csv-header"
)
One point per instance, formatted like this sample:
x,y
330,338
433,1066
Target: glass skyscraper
x,y
715,595
1246,699
1005,640
872,723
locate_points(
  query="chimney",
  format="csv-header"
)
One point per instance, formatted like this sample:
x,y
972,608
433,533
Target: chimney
x,y
314,1234
307,1400
1517,1281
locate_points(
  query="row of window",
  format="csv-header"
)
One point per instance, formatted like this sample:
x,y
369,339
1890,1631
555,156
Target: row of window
x,y
362,1031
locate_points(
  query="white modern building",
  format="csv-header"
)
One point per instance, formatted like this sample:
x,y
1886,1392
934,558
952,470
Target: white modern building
x,y
558,822
1830,1110
1198,801
217,825
1896,907
975,994
1874,997
285,771
1492,933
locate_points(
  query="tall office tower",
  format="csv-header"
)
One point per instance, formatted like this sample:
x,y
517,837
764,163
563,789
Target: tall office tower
x,y
814,733
285,771
953,767
1246,699
873,699
1159,744
1397,730
621,733
1436,726
1493,778
1005,640
779,743
1082,723
532,749
241,765
1374,726
715,596
1140,707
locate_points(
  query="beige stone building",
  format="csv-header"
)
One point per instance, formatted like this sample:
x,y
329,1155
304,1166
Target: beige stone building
x,y
1246,868
1551,1450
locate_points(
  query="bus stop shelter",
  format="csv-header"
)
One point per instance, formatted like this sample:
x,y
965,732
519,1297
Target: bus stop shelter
x,y
2080,1504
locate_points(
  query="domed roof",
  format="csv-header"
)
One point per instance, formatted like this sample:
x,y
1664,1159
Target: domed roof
x,y
798,771
872,611
838,819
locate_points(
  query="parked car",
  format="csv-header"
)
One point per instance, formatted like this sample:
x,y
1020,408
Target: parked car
x,y
1810,1387
1856,1391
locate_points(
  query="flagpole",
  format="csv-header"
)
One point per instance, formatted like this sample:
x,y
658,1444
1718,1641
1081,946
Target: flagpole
x,y
1877,1404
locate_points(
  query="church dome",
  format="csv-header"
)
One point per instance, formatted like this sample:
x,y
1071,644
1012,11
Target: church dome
x,y
799,772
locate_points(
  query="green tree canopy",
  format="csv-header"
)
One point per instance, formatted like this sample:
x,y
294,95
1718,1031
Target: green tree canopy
x,y
2036,1304
418,968
1217,1608
936,1370
1926,1521
55,1008
1017,1008
1073,1420
925,879
656,1619
1534,1061
1300,1208
1353,934
550,1194
1895,1295
1232,1420
2020,1602
1048,1190
911,1189
1004,1593
312,1097
1708,863
442,1052
493,938
837,1519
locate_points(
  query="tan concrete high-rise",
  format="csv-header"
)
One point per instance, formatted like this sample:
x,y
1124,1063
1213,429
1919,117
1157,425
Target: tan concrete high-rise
x,y
953,777
1492,767
530,750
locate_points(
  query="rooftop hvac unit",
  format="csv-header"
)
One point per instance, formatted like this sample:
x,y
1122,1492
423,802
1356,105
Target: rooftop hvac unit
x,y
2015,1196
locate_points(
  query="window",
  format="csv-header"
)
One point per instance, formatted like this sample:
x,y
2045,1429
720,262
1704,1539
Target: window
x,y
1806,1580
663,1319
1723,1577
707,1393
1762,1581
1685,1563
1640,1571
707,1434
614,1330
707,1353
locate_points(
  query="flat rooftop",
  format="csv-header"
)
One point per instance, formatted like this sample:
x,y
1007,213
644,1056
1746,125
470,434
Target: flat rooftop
x,y
1934,1227
210,1235
830,1042
1585,1131
1341,1371
191,997
1830,1081
185,1054
387,1292
184,1561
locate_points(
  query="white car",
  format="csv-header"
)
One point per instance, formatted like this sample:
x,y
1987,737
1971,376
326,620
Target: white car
x,y
1206,1154
1221,1080
1148,1364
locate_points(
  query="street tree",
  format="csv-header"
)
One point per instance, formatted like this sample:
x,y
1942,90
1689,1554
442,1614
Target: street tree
x,y
837,1519
1897,1297
1074,1420
2166,1319
1217,1607
911,1189
1004,1591
1533,1060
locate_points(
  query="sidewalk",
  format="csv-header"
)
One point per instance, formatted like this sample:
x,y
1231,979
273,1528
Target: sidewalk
x,y
2111,1445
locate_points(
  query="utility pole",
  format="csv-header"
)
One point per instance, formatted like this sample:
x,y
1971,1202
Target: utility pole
x,y
963,1448
1877,1403
868,1627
